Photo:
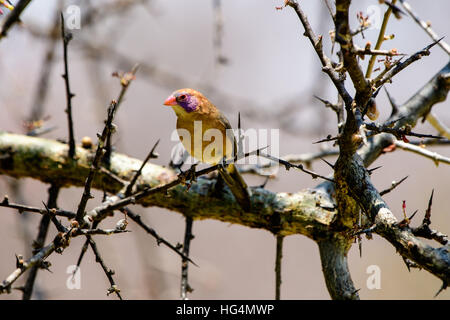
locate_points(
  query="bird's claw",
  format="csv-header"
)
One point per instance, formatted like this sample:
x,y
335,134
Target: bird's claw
x,y
188,176
223,163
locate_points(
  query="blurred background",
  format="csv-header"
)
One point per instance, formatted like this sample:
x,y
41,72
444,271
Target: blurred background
x,y
245,56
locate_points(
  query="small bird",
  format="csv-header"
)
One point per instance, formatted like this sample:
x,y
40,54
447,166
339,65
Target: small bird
x,y
207,135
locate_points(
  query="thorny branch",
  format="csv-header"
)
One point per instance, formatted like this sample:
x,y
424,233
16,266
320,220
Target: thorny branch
x,y
58,244
315,213
69,95
380,40
108,272
188,236
96,162
150,155
426,26
44,225
438,125
436,157
402,65
137,218
13,17
125,81
352,180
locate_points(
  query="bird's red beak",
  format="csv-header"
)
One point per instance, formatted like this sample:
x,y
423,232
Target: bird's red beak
x,y
170,101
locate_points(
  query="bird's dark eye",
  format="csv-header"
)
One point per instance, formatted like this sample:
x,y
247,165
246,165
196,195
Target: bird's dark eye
x,y
182,97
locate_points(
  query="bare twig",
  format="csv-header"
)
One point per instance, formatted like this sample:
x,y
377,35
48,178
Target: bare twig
x,y
399,133
327,139
84,248
13,17
218,33
317,45
185,287
137,218
374,52
56,222
44,224
330,10
437,158
402,65
23,208
41,93
69,95
96,162
117,203
441,128
393,186
81,256
300,167
392,102
150,155
125,80
424,230
108,272
350,61
425,26
60,242
380,39
386,69
278,260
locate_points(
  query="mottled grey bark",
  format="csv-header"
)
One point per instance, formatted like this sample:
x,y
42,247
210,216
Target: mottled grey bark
x,y
333,256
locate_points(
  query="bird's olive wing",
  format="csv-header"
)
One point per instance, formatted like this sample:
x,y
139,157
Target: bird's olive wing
x,y
223,120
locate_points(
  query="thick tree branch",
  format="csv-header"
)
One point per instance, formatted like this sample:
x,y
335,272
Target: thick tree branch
x,y
333,255
351,64
307,212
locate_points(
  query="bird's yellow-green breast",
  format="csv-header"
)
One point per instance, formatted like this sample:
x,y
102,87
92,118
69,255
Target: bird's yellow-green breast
x,y
203,130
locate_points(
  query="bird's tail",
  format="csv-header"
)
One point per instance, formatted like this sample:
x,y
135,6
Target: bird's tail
x,y
237,185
